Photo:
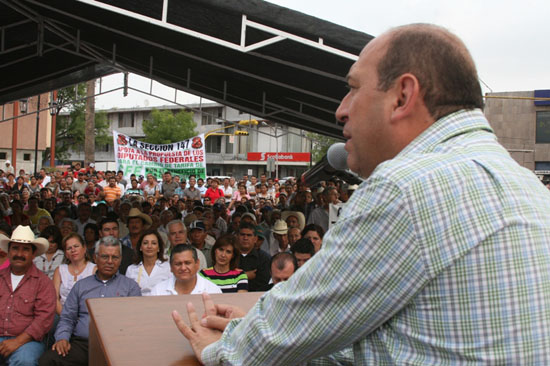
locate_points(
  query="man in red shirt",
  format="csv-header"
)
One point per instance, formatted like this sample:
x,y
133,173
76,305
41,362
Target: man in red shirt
x,y
214,193
27,299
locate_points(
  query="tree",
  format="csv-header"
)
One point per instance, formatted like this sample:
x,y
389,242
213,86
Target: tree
x,y
165,127
70,129
320,145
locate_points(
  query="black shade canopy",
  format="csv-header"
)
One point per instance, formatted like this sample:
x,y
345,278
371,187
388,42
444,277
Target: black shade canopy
x,y
254,56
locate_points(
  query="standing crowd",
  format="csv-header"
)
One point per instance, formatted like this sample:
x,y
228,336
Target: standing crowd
x,y
69,236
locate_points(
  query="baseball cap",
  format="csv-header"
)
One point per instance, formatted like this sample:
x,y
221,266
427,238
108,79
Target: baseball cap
x,y
197,224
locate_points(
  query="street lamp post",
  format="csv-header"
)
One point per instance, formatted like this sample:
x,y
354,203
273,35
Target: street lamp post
x,y
53,114
36,140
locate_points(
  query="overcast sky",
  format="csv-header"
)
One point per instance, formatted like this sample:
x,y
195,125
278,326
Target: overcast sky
x,y
508,39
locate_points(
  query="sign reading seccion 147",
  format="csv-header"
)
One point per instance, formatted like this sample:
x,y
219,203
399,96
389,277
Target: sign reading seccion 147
x,y
181,158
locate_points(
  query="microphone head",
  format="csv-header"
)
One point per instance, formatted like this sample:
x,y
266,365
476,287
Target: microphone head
x,y
337,156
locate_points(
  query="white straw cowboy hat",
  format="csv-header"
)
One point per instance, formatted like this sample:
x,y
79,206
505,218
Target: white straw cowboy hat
x,y
24,235
280,227
298,215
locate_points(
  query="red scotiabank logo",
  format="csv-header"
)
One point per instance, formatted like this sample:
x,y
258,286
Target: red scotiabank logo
x,y
121,140
197,143
292,156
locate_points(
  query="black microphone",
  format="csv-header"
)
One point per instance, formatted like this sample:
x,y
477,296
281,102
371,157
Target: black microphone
x,y
333,164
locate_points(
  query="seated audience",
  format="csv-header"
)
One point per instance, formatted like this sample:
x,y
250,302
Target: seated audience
x,y
54,256
71,335
255,262
314,233
283,265
66,275
28,299
303,250
151,266
293,235
184,265
224,272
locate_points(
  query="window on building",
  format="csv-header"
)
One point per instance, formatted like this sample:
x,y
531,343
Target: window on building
x,y
3,156
542,165
27,157
126,119
214,144
207,119
103,148
294,140
210,116
543,127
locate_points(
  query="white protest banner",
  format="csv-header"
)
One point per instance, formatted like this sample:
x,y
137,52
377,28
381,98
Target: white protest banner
x,y
181,158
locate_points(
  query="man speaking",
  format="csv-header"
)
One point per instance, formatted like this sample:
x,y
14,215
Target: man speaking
x,y
442,254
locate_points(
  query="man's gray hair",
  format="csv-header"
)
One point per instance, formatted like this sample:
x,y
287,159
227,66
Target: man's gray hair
x,y
173,222
50,220
64,220
108,241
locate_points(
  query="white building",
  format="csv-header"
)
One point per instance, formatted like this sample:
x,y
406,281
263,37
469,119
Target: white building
x,y
226,154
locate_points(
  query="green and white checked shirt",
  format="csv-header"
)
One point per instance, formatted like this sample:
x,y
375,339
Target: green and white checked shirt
x,y
442,257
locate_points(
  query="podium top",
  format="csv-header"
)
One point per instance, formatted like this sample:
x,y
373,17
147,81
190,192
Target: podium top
x,y
140,330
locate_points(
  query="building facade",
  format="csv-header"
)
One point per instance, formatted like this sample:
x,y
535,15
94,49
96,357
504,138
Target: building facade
x,y
522,124
18,127
227,154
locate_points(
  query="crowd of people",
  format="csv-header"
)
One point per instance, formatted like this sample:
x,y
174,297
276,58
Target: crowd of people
x,y
143,236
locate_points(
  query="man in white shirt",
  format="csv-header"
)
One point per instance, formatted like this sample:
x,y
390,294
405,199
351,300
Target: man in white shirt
x,y
184,265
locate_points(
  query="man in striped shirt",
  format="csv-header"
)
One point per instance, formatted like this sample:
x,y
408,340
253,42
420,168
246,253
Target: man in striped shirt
x,y
440,257
112,191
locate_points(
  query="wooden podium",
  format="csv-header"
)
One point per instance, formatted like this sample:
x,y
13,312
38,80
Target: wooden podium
x,y
140,330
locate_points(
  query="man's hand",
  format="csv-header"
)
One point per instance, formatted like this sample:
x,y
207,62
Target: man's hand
x,y
9,346
199,337
223,315
62,347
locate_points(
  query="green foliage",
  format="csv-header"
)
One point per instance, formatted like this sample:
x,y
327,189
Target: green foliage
x,y
70,129
320,146
165,127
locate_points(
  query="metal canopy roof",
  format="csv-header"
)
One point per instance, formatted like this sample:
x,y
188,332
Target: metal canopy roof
x,y
260,58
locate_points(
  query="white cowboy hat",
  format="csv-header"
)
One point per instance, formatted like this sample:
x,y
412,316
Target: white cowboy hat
x,y
300,216
135,212
280,227
23,234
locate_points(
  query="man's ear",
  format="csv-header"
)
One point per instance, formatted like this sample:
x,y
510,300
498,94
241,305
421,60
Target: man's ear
x,y
407,94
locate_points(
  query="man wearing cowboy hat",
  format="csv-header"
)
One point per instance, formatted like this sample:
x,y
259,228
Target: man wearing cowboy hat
x,y
137,222
27,299
278,242
294,219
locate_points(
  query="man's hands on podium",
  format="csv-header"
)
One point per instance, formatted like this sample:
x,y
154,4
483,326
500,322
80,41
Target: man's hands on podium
x,y
209,329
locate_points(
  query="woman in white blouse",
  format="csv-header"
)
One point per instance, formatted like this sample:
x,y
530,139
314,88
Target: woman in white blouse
x,y
151,267
80,266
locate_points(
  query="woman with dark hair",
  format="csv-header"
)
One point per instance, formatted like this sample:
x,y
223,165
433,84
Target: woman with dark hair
x,y
80,266
91,235
54,256
18,217
150,267
20,184
11,183
314,233
224,272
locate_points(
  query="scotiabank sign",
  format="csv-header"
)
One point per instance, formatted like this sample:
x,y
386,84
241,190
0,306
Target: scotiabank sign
x,y
290,156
